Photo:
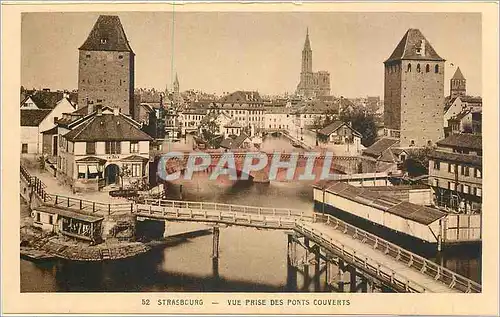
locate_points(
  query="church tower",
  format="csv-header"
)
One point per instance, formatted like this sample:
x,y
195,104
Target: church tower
x,y
176,84
414,92
457,84
307,56
106,67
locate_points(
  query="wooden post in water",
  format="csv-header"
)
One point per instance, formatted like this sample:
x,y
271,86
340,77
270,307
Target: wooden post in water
x,y
215,252
352,279
307,278
317,273
291,276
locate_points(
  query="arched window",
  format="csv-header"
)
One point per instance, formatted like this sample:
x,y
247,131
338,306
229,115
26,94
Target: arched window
x,y
409,67
427,68
418,68
436,69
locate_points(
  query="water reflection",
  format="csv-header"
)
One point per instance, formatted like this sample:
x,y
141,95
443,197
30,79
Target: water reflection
x,y
250,260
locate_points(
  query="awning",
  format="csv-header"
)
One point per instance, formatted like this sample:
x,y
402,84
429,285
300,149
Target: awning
x,y
82,169
93,169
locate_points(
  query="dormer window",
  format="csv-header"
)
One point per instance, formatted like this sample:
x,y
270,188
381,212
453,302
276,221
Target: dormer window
x,y
104,41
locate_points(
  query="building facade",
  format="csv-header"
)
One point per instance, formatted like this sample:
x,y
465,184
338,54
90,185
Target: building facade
x,y
247,107
312,84
106,67
103,148
455,173
414,92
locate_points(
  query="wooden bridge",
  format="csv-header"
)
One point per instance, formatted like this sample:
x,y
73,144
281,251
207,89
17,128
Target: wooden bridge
x,y
334,241
372,261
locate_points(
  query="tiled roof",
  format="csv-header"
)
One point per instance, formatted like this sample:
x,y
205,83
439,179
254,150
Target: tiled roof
x,y
458,74
107,127
388,156
52,130
421,214
48,99
235,143
334,126
457,157
462,140
110,29
377,148
241,96
409,46
33,117
233,124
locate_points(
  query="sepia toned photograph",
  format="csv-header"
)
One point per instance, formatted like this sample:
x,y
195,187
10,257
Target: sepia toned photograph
x,y
183,152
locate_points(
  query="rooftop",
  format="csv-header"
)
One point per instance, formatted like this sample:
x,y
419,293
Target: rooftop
x,y
414,46
363,195
33,117
107,127
474,160
107,35
462,140
377,148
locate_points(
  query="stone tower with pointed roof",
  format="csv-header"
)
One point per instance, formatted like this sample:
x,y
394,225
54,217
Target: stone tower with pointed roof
x,y
312,84
457,84
106,67
414,92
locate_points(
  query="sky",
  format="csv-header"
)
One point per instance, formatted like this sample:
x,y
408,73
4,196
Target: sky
x,y
222,52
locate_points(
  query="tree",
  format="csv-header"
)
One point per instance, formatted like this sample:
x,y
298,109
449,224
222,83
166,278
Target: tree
x,y
364,123
210,133
417,162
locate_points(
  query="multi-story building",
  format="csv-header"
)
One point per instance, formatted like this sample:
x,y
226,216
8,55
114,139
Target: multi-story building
x,y
247,107
414,92
312,84
455,173
39,113
278,118
102,148
106,67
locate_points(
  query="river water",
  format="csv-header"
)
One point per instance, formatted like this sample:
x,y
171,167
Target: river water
x,y
250,260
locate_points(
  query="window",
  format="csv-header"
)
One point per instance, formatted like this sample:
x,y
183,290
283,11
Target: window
x,y
90,148
120,56
452,186
51,219
412,143
134,147
466,170
92,171
87,56
418,68
451,168
477,172
24,148
38,217
466,189
409,67
436,69
113,147
427,68
104,41
82,171
136,170
478,192
437,165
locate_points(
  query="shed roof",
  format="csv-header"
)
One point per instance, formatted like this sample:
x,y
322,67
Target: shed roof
x,y
421,214
70,213
462,140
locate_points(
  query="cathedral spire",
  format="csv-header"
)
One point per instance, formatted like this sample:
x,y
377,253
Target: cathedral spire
x,y
307,44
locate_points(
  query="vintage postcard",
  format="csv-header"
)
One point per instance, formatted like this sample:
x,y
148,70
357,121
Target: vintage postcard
x,y
231,158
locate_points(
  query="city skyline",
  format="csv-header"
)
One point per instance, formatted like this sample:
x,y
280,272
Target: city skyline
x,y
239,52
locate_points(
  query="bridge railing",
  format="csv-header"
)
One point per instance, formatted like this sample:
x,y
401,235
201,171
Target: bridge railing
x,y
383,272
425,266
216,215
267,211
87,205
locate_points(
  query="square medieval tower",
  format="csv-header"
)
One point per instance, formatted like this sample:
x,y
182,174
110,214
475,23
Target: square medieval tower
x,y
414,92
106,67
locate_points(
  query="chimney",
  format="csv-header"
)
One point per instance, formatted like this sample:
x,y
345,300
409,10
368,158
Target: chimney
x,y
99,109
66,94
116,111
46,89
90,108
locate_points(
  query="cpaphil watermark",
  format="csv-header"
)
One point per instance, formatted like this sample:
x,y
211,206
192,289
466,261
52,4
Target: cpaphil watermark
x,y
241,166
